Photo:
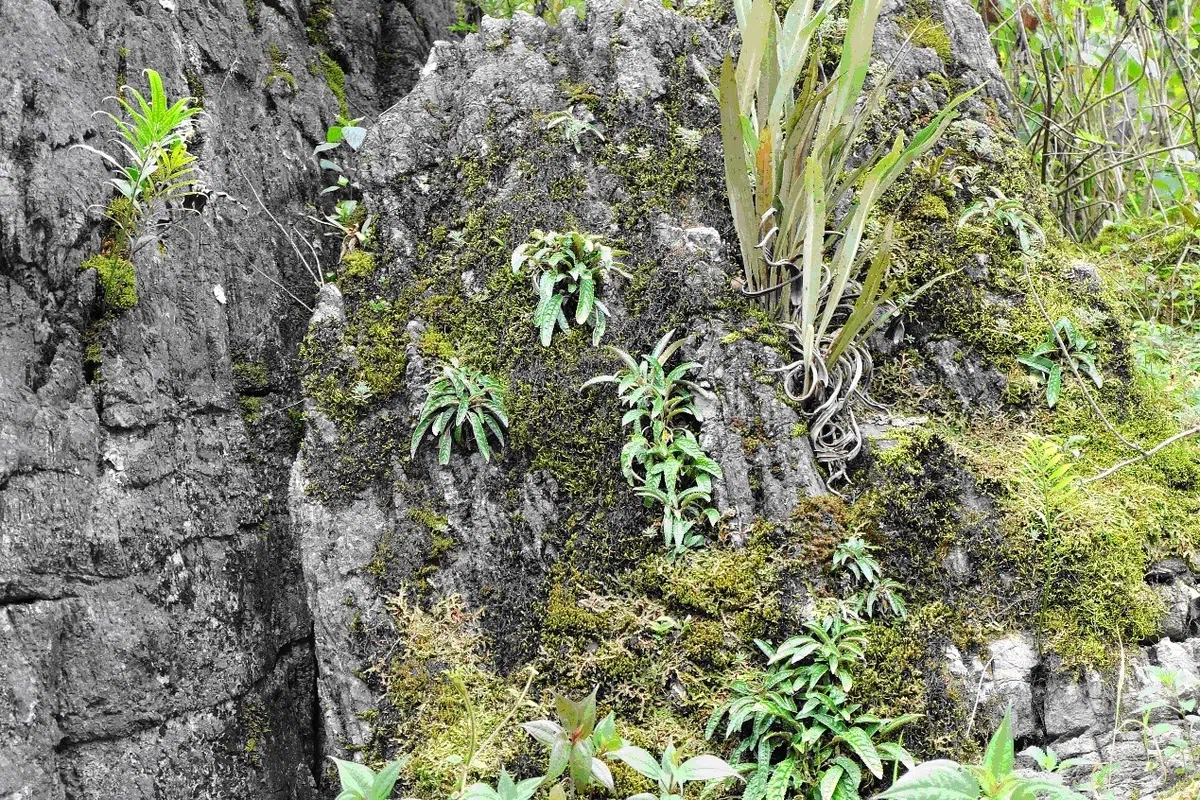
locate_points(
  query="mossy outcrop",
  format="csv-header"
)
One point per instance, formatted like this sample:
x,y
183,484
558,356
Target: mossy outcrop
x,y
545,555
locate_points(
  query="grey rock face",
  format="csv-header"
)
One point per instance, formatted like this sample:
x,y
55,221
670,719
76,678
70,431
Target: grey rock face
x,y
1078,716
154,639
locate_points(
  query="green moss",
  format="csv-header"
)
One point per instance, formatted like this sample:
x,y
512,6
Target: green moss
x,y
252,373
928,32
118,281
435,522
251,408
278,70
252,10
931,207
905,672
358,264
335,79
195,85
320,17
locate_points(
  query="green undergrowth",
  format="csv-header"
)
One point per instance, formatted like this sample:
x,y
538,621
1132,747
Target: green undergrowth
x,y
115,273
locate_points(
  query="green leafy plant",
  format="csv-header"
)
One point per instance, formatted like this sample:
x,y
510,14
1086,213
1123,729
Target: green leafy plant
x,y
572,127
576,743
154,140
352,222
1043,363
1105,101
663,459
360,782
346,134
788,133
567,267
994,778
672,774
505,789
1047,483
461,397
854,557
1168,744
1009,214
804,733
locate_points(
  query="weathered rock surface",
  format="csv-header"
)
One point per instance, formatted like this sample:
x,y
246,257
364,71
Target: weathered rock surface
x,y
1078,716
154,638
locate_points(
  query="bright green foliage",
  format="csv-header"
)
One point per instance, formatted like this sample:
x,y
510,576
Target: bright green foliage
x,y
663,460
576,742
1047,482
346,132
1049,371
567,266
154,140
854,557
671,774
461,396
1009,214
804,733
788,134
118,282
993,778
505,789
360,782
1105,100
573,128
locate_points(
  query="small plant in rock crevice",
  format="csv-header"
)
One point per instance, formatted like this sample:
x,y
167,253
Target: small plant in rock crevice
x,y
157,166
854,557
663,460
354,225
572,127
350,134
1044,360
567,267
461,400
1170,745
1008,214
796,724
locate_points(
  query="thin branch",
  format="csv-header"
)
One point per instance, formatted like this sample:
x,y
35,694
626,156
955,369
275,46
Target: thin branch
x,y
1122,464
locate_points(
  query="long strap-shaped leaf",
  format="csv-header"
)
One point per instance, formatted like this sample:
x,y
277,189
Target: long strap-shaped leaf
x,y
737,174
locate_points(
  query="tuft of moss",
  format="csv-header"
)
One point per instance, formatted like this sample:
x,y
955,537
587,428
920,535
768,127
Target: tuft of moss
x,y
252,10
358,264
252,373
118,280
320,17
335,79
278,69
928,32
931,207
251,406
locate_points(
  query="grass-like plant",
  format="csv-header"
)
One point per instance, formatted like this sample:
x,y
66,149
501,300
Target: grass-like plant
x,y
567,268
459,399
994,778
1044,361
153,137
663,459
788,135
796,722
